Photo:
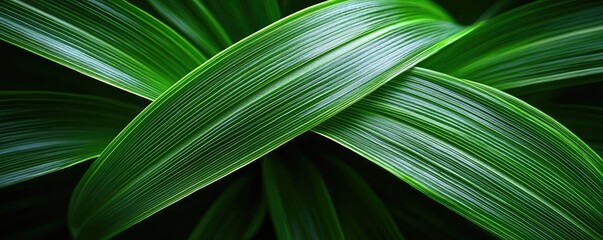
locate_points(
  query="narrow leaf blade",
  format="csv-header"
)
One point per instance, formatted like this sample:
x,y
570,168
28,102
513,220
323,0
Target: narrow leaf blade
x,y
195,21
241,18
541,42
112,41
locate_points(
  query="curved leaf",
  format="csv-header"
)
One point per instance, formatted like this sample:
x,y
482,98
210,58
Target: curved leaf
x,y
43,132
541,42
112,41
480,152
299,201
251,98
237,214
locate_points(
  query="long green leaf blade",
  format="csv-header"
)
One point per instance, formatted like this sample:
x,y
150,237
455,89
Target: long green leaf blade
x,y
43,132
299,200
541,42
237,214
480,152
251,98
112,41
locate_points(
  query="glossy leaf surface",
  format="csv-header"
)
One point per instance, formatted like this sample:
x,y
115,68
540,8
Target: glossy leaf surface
x,y
251,98
541,42
482,153
112,41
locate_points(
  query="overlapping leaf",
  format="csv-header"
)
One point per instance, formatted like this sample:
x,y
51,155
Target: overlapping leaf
x,y
517,49
541,42
488,156
112,41
251,98
44,132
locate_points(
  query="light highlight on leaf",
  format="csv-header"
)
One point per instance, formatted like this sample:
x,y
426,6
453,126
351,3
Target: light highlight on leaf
x,y
251,98
541,42
112,41
480,152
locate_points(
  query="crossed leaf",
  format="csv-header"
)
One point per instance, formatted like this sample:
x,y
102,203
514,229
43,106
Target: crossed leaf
x,y
490,157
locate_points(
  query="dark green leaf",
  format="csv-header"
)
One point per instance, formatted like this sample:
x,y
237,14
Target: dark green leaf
x,y
584,120
195,21
43,132
541,42
299,201
361,213
237,214
214,25
241,18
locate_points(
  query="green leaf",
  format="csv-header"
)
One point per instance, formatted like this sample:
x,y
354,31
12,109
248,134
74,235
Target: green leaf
x,y
250,99
43,132
112,41
237,214
541,42
361,213
299,201
480,152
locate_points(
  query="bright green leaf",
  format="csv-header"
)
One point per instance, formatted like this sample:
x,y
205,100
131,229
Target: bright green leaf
x,y
251,98
480,152
112,41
